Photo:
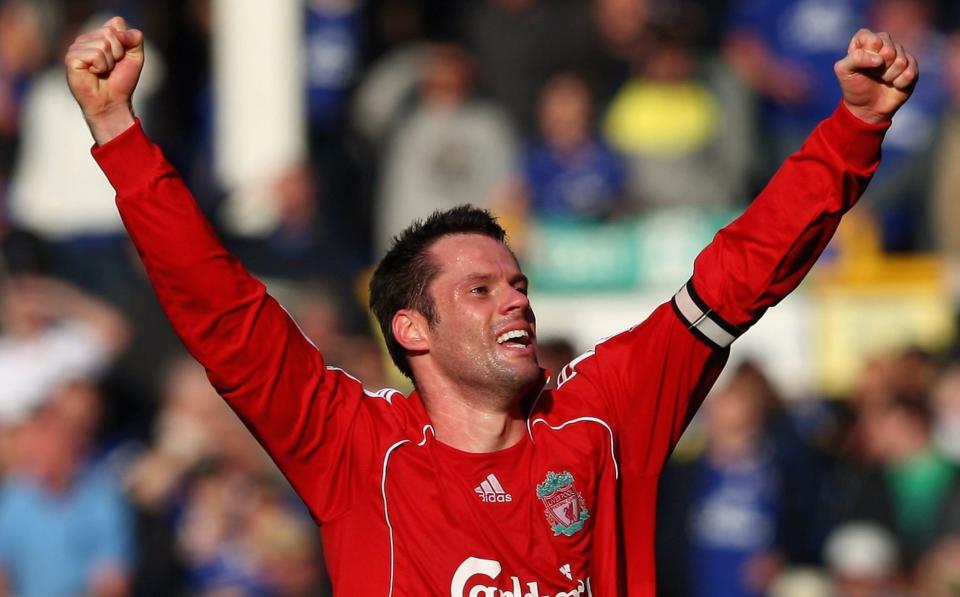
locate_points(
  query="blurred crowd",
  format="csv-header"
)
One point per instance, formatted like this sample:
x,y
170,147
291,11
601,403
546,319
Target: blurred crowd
x,y
854,497
121,471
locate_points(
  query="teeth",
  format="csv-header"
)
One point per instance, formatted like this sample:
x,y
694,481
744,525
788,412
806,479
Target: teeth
x,y
512,334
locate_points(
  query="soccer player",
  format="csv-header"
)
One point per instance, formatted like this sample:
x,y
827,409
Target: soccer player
x,y
479,483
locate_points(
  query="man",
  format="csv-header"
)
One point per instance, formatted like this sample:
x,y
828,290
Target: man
x,y
478,483
65,527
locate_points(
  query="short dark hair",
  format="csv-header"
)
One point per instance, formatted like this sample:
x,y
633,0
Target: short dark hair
x,y
403,275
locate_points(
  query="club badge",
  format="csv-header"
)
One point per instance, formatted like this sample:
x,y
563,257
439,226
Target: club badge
x,y
565,509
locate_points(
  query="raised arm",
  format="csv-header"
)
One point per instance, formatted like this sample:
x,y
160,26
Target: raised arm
x,y
656,374
765,253
254,354
652,378
222,314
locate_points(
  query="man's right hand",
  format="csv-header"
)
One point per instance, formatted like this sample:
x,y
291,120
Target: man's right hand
x,y
103,68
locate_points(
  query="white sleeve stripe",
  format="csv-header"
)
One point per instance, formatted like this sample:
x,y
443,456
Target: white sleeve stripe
x,y
701,321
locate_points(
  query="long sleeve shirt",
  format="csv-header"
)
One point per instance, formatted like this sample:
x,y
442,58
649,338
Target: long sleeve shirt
x,y
569,510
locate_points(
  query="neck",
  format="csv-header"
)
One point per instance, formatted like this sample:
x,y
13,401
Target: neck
x,y
474,423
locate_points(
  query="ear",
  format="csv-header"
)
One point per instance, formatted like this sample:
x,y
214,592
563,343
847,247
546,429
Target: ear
x,y
409,328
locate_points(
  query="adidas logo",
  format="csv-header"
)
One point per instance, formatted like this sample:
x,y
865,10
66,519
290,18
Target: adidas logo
x,y
490,490
565,570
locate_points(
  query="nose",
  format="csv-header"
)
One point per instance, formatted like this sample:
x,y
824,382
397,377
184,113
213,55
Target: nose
x,y
516,301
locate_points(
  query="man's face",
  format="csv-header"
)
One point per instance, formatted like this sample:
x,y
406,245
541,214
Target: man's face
x,y
485,335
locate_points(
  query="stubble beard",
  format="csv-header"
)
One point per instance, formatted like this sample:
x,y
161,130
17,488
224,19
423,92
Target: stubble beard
x,y
494,382
504,385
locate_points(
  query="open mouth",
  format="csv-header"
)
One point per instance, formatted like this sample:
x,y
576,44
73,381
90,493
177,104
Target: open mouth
x,y
514,339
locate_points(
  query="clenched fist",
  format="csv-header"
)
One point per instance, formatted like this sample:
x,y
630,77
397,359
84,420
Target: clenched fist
x,y
876,76
103,68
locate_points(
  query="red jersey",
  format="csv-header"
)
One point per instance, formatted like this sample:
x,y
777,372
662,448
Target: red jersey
x,y
569,510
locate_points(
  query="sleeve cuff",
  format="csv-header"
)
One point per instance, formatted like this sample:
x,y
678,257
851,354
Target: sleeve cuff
x,y
703,321
856,141
116,156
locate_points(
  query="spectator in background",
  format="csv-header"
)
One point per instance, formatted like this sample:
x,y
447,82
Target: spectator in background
x,y
785,52
570,172
521,43
452,149
733,502
914,491
672,125
65,528
51,333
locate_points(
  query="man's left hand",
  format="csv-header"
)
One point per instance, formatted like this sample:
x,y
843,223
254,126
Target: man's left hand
x,y
876,76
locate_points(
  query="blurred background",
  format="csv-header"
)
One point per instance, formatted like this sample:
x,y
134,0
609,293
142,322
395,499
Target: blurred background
x,y
612,137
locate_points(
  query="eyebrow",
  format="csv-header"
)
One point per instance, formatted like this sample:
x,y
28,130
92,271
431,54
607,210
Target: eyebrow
x,y
478,277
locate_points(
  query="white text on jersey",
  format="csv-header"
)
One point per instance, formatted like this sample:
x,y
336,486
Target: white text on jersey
x,y
491,569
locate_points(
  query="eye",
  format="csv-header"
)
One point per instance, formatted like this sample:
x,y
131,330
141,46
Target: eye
x,y
478,290
521,289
